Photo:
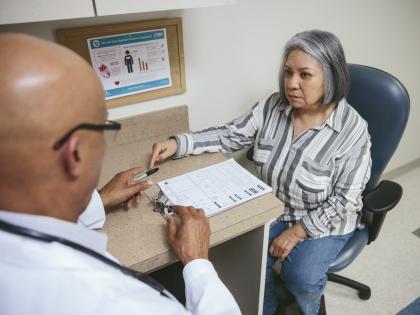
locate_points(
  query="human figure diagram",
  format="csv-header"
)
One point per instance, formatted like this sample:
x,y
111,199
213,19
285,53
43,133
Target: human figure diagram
x,y
128,61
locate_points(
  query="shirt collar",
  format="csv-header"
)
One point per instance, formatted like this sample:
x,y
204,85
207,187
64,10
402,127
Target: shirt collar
x,y
68,230
285,107
335,121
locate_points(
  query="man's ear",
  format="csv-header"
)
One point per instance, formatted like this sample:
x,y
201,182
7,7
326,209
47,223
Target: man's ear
x,y
71,159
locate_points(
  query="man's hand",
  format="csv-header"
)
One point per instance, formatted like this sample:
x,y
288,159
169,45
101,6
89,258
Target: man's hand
x,y
122,190
283,244
190,239
162,150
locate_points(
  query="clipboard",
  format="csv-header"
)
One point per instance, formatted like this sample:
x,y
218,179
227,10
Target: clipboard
x,y
214,189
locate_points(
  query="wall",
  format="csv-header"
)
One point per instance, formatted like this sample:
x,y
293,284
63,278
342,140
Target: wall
x,y
233,52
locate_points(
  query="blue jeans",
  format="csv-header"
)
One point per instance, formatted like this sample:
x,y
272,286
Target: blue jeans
x,y
304,271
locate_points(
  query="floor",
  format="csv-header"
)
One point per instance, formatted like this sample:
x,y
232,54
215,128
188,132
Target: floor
x,y
390,265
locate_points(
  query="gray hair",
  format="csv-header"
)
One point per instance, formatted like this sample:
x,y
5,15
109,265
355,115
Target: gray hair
x,y
326,48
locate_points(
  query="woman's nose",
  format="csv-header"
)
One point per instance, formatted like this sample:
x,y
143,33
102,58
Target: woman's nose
x,y
293,82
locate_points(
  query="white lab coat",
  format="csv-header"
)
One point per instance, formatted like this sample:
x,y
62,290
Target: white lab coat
x,y
94,215
51,278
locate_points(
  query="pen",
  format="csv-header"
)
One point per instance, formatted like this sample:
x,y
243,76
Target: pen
x,y
142,176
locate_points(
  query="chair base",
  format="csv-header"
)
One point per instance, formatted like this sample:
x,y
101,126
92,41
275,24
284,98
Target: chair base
x,y
363,290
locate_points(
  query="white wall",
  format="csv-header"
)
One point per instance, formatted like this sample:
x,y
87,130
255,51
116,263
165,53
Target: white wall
x,y
232,53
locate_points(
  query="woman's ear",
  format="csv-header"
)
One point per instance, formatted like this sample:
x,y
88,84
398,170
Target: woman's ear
x,y
71,159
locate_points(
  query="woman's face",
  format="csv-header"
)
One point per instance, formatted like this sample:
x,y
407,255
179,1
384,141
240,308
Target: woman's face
x,y
303,81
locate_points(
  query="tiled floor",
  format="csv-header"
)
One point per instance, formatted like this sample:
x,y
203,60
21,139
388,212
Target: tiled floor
x,y
390,265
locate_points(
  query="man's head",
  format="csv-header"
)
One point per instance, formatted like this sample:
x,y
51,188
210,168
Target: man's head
x,y
45,91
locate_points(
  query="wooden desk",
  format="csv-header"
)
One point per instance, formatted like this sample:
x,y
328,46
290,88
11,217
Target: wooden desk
x,y
137,237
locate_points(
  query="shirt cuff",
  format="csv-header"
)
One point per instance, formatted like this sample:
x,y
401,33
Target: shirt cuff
x,y
94,215
313,226
184,145
203,287
196,270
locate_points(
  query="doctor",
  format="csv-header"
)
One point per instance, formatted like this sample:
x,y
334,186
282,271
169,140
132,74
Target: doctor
x,y
49,166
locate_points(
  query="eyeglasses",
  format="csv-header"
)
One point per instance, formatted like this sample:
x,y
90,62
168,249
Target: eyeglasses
x,y
109,125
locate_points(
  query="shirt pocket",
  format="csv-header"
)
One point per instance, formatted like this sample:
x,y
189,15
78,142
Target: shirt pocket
x,y
262,150
313,181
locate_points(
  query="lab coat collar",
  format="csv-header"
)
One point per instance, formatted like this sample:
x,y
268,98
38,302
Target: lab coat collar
x,y
68,230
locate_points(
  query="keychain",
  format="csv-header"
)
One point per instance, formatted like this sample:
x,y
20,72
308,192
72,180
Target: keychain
x,y
159,201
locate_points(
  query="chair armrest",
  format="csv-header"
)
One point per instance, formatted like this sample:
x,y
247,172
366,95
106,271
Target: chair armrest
x,y
383,198
378,202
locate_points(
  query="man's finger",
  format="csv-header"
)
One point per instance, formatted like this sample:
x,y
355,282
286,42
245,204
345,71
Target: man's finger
x,y
182,212
201,212
137,198
140,186
135,170
172,228
134,189
193,211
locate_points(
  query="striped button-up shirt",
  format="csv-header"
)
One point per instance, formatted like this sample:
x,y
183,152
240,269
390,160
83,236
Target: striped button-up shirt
x,y
319,176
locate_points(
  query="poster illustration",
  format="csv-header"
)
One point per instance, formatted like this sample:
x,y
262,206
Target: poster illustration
x,y
131,63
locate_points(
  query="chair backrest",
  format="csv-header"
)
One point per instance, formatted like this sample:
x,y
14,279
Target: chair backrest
x,y
383,101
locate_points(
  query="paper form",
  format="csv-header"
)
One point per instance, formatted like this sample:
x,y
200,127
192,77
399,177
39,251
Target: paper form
x,y
215,188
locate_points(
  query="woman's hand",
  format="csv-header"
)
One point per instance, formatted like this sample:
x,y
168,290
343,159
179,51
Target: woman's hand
x,y
162,150
283,244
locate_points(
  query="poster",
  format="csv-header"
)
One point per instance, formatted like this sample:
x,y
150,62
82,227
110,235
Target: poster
x,y
131,63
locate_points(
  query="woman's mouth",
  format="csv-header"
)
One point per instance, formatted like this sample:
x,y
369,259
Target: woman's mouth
x,y
293,97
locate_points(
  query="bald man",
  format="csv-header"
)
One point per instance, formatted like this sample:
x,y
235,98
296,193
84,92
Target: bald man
x,y
51,150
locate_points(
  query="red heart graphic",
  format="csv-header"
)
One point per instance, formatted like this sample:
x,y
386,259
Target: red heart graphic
x,y
117,82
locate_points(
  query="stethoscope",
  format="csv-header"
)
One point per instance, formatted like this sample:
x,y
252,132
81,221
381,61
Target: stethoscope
x,y
23,231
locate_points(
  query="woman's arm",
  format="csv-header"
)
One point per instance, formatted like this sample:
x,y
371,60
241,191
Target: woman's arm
x,y
237,134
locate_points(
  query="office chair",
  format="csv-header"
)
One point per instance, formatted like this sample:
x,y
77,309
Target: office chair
x,y
384,103
382,100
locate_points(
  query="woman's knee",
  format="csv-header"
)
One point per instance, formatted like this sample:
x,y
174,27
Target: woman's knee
x,y
303,281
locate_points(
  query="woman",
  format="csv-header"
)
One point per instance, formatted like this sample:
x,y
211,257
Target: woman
x,y
313,148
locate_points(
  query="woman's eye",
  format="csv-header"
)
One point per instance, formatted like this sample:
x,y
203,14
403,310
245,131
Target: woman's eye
x,y
287,72
306,75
